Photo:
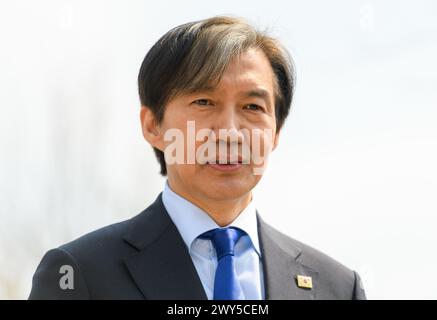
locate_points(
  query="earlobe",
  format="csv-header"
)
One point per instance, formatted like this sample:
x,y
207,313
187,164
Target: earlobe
x,y
151,130
275,141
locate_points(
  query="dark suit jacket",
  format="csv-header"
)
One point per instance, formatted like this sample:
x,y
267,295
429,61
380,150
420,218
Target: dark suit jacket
x,y
146,258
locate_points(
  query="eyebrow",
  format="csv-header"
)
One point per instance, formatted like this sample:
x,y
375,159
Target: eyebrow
x,y
257,93
254,93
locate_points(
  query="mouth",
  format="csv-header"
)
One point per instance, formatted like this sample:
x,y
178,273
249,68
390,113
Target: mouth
x,y
228,162
225,167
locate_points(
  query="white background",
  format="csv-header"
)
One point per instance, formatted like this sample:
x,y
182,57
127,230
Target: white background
x,y
355,172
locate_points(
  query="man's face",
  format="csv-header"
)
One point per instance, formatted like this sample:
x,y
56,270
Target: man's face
x,y
227,106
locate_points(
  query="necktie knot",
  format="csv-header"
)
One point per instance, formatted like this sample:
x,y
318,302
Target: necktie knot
x,y
223,239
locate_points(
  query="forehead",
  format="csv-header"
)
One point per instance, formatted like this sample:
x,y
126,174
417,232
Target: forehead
x,y
250,72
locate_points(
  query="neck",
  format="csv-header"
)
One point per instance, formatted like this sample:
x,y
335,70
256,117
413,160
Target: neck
x,y
222,211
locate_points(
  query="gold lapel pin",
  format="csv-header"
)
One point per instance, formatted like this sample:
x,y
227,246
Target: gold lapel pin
x,y
304,282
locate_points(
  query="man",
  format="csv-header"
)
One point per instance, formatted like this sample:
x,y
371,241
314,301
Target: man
x,y
203,238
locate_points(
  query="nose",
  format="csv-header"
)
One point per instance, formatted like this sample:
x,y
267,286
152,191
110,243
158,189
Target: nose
x,y
226,126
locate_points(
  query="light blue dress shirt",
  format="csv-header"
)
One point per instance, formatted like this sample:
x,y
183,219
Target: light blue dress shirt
x,y
191,221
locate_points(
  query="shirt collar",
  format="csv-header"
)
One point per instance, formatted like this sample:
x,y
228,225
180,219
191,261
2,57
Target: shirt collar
x,y
183,213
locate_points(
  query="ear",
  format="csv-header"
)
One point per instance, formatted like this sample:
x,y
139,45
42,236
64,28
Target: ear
x,y
276,140
151,130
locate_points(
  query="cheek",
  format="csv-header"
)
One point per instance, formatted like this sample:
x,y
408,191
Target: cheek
x,y
262,139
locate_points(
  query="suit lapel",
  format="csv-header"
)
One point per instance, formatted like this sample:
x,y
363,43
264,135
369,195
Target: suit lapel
x,y
280,266
162,268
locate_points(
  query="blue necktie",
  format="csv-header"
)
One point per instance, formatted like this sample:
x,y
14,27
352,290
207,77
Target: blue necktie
x,y
226,284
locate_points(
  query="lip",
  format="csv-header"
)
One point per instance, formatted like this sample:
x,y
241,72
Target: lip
x,y
225,167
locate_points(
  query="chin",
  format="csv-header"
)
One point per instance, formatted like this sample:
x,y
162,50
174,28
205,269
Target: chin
x,y
227,188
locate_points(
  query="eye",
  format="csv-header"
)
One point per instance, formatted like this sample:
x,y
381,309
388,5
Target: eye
x,y
253,107
202,102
